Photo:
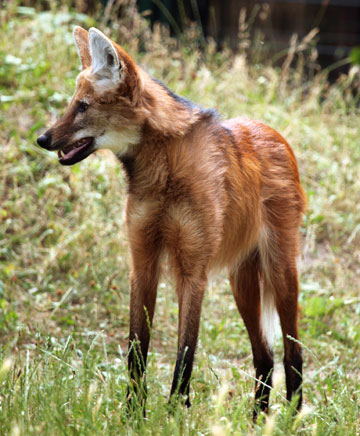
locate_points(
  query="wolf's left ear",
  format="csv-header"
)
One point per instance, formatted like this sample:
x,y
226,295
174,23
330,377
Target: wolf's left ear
x,y
105,62
81,38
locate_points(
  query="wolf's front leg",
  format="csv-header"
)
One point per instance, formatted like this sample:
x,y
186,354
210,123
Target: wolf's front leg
x,y
143,288
190,292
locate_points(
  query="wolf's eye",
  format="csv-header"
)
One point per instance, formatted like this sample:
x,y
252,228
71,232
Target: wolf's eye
x,y
82,106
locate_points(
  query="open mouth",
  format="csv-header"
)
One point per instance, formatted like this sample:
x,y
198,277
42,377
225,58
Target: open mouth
x,y
76,151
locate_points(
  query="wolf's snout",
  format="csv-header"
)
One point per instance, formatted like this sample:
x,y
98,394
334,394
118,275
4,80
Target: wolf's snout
x,y
44,140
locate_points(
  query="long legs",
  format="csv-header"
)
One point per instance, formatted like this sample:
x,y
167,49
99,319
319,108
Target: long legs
x,y
245,283
287,307
190,293
281,282
143,288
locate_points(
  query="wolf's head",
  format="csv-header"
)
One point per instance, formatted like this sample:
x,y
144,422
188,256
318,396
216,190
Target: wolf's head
x,y
104,110
115,101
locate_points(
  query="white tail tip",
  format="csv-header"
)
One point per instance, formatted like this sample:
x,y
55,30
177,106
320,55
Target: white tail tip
x,y
269,318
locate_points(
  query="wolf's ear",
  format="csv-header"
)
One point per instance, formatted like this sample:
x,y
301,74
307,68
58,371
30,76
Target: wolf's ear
x,y
105,61
81,38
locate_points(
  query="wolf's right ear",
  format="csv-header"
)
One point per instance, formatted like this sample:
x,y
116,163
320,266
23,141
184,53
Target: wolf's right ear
x,y
81,38
112,68
106,65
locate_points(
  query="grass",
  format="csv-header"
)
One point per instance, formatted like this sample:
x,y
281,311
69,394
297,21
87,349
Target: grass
x,y
63,249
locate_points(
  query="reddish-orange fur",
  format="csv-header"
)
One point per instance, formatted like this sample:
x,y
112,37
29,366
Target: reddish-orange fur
x,y
205,194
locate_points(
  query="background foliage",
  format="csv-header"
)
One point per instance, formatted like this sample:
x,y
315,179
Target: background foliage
x,y
63,249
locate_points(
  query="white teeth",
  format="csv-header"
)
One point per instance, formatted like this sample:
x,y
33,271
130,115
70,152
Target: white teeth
x,y
77,144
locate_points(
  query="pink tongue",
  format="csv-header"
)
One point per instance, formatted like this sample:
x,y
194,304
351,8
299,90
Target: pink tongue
x,y
72,152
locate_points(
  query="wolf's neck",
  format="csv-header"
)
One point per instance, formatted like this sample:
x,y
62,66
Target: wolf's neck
x,y
168,119
146,166
166,112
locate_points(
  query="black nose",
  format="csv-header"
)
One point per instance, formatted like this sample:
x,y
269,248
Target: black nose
x,y
44,140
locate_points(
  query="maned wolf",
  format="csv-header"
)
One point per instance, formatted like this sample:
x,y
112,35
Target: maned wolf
x,y
206,193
